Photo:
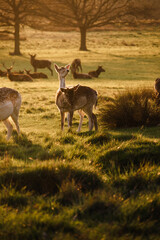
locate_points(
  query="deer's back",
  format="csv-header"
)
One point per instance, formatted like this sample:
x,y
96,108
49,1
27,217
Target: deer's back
x,y
9,98
41,63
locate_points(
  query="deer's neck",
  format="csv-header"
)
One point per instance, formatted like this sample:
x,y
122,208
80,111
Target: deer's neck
x,y
62,83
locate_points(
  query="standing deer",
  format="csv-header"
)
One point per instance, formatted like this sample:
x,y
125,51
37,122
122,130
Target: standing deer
x,y
19,77
97,72
157,87
40,63
79,97
76,65
36,75
10,103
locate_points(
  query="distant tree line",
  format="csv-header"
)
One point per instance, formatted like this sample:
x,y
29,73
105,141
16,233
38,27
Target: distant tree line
x,y
77,14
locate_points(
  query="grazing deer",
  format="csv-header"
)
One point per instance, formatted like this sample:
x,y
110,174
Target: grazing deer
x,y
81,75
10,103
40,63
36,75
17,76
79,97
97,72
76,65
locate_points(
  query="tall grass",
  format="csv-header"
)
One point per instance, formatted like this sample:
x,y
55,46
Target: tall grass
x,y
132,108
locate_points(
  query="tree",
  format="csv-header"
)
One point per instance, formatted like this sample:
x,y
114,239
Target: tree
x,y
145,9
84,14
13,13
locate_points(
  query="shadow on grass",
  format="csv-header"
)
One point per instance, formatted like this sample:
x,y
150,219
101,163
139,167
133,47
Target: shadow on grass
x,y
49,180
22,148
128,158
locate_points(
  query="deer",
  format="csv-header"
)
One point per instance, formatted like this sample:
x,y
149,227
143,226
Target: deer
x,y
81,75
70,99
10,103
3,73
157,87
35,74
76,65
17,76
97,72
40,63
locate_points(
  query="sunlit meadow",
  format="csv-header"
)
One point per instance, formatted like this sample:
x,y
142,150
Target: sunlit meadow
x,y
89,185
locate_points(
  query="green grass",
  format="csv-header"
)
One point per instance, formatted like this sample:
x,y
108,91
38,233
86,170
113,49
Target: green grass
x,y
89,185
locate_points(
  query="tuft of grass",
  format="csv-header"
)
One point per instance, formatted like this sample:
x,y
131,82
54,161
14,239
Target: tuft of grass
x,y
131,108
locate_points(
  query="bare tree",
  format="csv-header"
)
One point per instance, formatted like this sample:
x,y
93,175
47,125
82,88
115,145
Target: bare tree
x,y
84,14
13,13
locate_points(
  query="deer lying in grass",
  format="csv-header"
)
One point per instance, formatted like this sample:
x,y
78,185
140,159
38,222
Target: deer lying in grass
x,y
36,75
40,63
97,72
17,76
10,103
3,73
76,65
79,97
81,75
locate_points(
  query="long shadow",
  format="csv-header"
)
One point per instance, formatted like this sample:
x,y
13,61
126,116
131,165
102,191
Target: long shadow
x,y
24,149
48,180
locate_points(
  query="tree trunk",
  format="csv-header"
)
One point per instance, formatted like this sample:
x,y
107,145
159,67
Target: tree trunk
x,y
16,38
83,32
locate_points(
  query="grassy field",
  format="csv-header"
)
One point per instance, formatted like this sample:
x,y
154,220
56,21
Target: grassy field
x,y
88,186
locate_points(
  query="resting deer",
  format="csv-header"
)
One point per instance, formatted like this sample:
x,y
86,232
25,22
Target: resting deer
x,y
3,73
79,97
17,76
40,63
81,75
10,103
97,72
36,75
76,65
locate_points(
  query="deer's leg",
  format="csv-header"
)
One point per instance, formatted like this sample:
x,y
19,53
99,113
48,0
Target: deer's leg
x,y
70,119
51,70
14,117
95,121
89,113
35,69
62,120
9,128
81,114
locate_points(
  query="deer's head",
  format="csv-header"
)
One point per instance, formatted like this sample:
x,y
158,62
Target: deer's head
x,y
62,71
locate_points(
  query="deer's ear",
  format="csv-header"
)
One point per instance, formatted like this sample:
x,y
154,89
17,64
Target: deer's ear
x,y
56,67
68,66
63,90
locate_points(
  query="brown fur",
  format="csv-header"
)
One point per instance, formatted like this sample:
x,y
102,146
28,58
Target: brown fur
x,y
40,63
157,87
78,97
10,103
3,73
36,75
97,72
17,76
8,94
81,75
76,65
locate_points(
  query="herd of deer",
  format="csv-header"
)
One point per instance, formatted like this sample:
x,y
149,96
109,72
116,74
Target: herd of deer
x,y
68,99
